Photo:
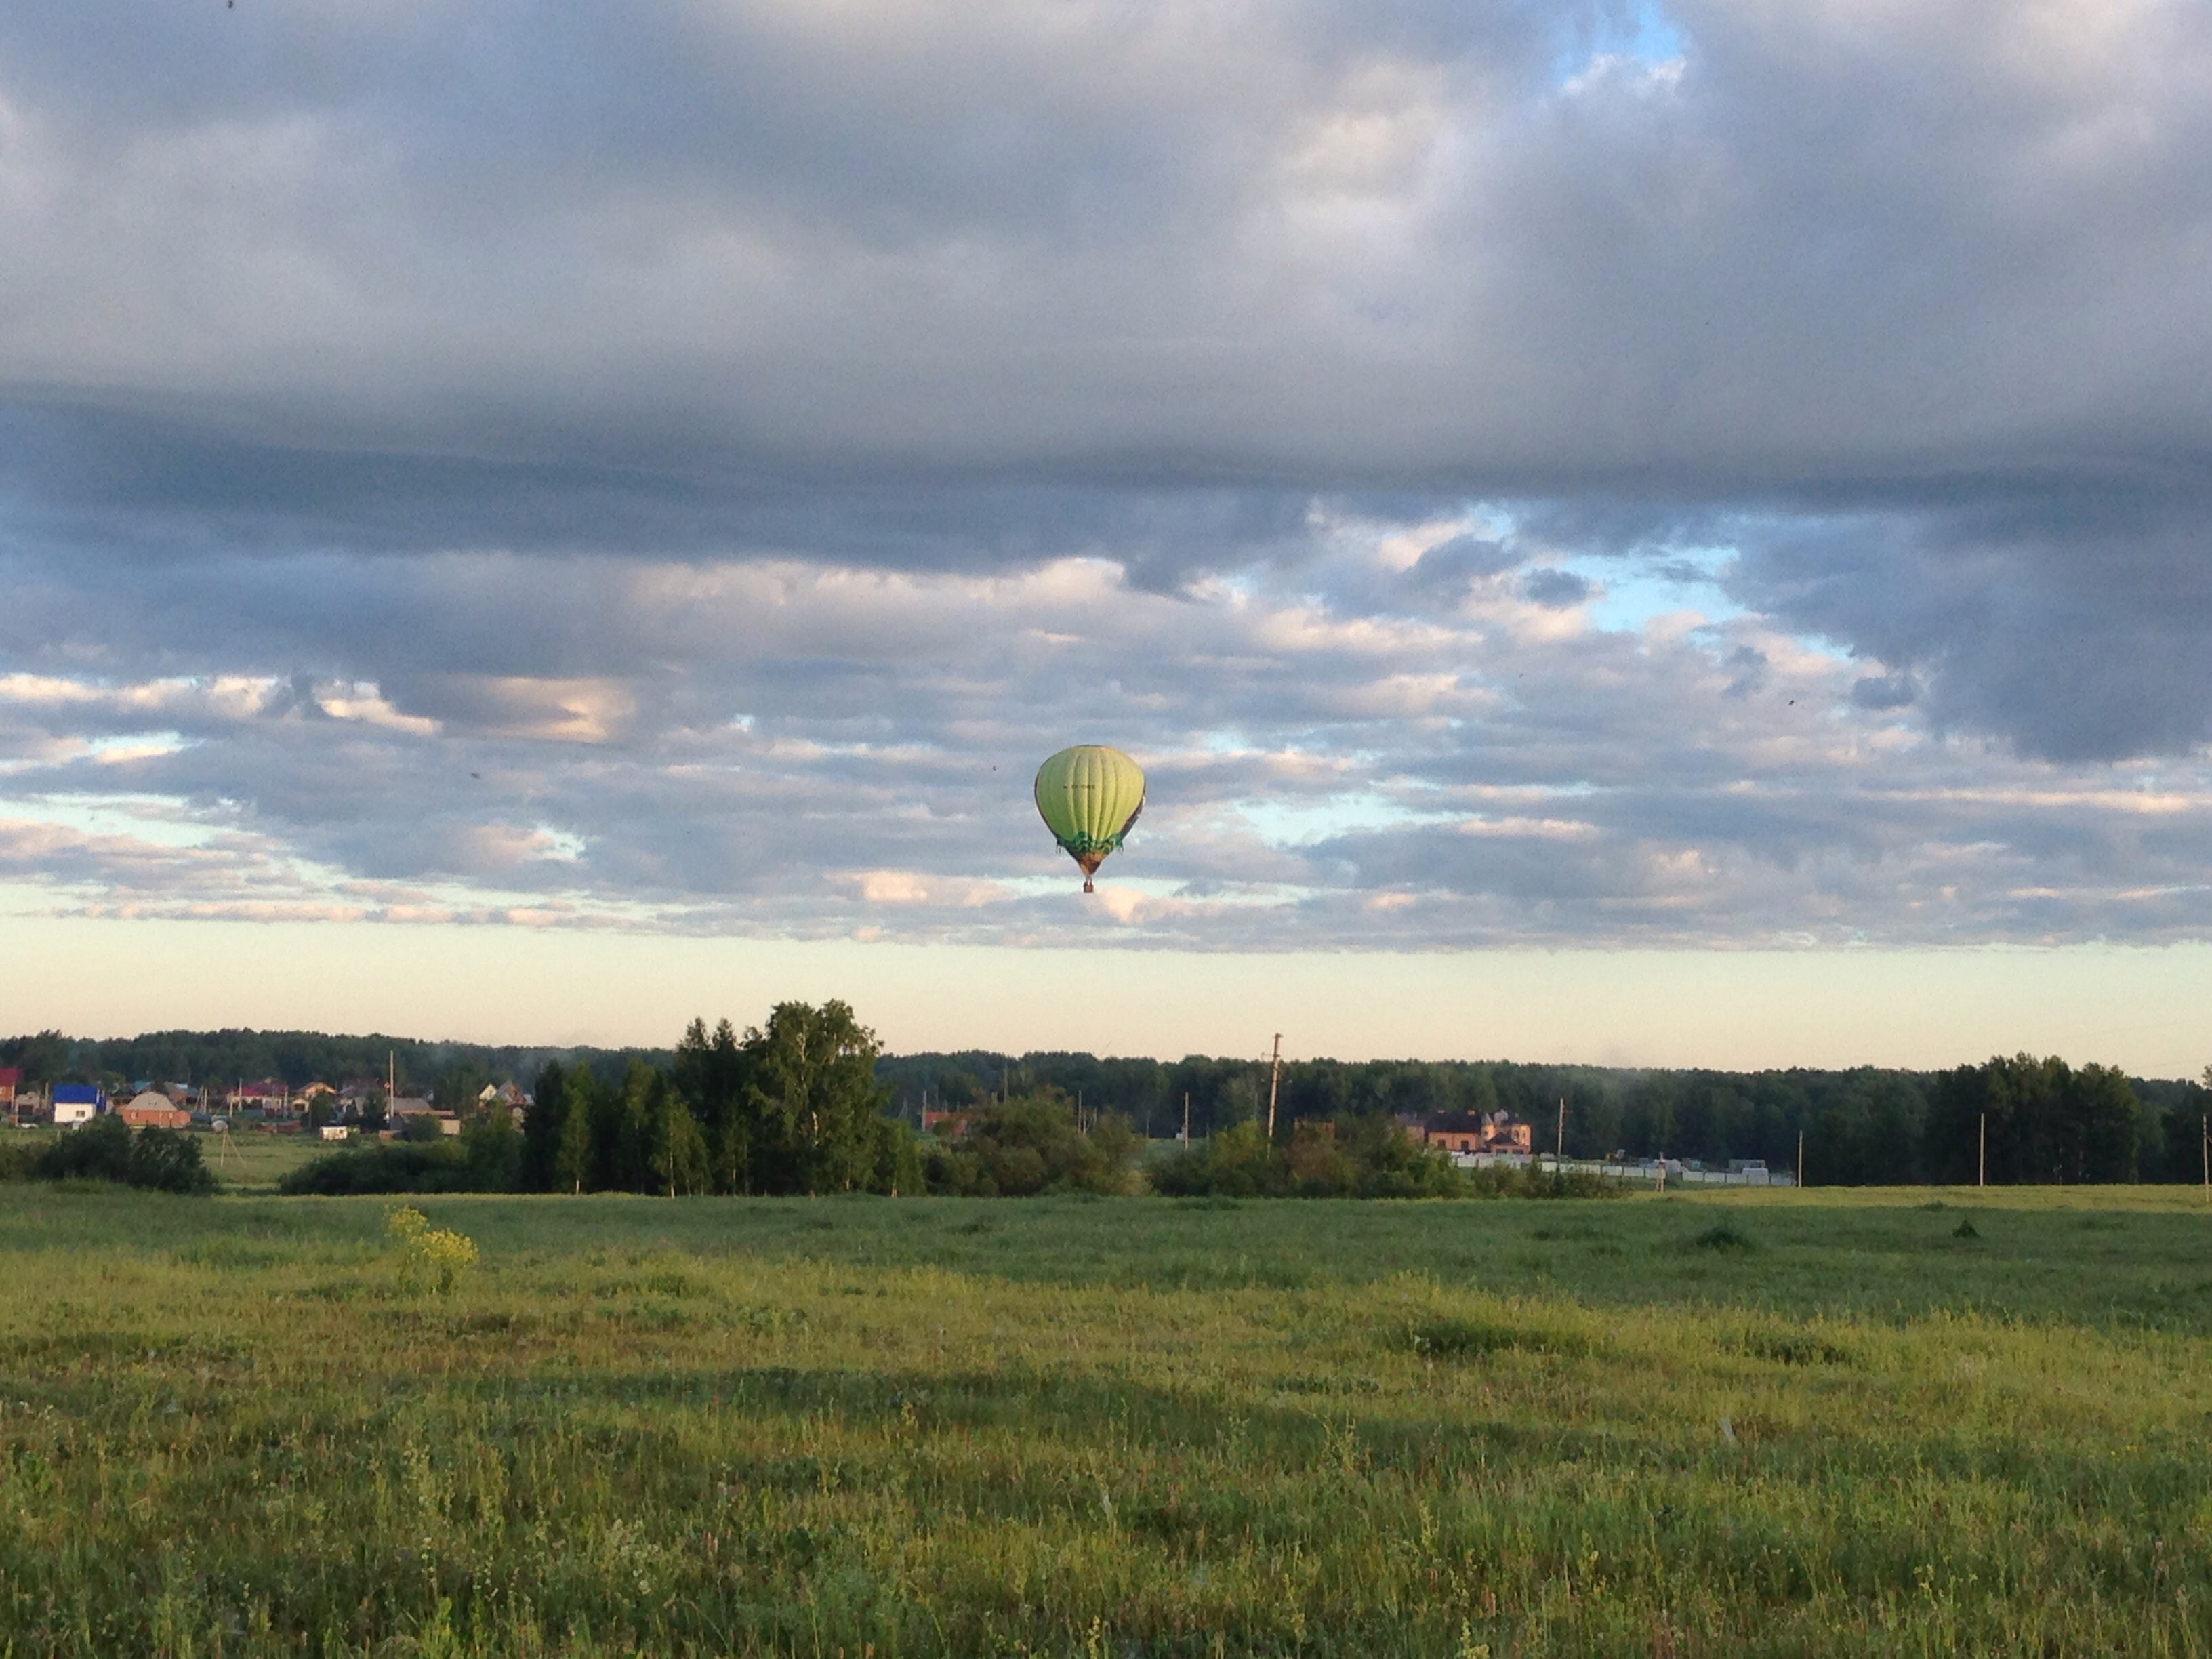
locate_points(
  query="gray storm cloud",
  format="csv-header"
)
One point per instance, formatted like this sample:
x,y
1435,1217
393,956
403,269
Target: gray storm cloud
x,y
1517,473
1841,244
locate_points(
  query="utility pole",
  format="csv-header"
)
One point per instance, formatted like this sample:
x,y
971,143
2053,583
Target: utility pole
x,y
2204,1122
1982,1153
1800,1158
1185,1120
1274,1081
1559,1156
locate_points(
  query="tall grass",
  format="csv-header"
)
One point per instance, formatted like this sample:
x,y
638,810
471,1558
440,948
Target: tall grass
x,y
948,1427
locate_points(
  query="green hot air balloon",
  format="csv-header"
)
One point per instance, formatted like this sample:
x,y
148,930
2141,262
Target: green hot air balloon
x,y
1089,796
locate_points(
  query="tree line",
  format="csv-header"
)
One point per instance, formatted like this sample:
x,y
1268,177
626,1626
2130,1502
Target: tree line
x,y
2045,1121
798,1105
791,1106
794,1105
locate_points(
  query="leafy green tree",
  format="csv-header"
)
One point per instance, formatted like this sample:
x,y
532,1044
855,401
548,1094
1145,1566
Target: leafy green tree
x,y
636,1120
678,1155
163,1160
2044,1120
710,1074
2104,1119
542,1127
42,1058
491,1147
614,1146
2028,1107
897,1161
1232,1162
1360,1154
1391,1164
813,1100
1314,1165
1023,1147
459,1090
574,1159
421,1126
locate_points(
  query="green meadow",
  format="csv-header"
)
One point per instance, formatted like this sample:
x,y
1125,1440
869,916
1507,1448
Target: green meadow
x,y
1828,1422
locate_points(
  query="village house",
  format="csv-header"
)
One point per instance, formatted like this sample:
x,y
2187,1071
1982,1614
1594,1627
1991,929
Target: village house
x,y
951,1122
151,1110
77,1103
265,1094
504,1094
11,1077
403,1107
1476,1132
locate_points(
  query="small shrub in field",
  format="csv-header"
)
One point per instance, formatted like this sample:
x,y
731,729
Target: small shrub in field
x,y
1965,1229
1353,1155
429,1258
106,1149
1460,1338
1023,1147
439,1166
1503,1180
1722,1236
1789,1347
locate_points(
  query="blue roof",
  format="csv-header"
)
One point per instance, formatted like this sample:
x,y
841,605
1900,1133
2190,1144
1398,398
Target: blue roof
x,y
79,1094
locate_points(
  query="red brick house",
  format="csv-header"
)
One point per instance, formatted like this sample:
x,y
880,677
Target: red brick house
x,y
1477,1132
153,1111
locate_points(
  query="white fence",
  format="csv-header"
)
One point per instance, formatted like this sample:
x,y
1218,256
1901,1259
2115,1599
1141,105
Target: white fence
x,y
1678,1174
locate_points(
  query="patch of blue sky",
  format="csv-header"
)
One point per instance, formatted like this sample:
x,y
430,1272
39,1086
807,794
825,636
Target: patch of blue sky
x,y
162,820
561,843
1637,590
1303,823
1644,33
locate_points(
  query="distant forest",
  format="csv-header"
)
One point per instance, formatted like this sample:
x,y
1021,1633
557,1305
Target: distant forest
x,y
2045,1121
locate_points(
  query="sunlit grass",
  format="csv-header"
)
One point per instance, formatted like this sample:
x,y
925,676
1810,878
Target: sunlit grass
x,y
937,1426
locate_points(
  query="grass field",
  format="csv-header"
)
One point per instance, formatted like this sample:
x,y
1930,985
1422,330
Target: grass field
x,y
250,1160
247,1162
1731,1424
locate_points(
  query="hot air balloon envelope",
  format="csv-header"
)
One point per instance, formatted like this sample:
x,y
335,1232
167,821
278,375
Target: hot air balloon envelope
x,y
1088,797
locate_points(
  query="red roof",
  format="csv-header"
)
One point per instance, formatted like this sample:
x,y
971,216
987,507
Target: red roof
x,y
11,1076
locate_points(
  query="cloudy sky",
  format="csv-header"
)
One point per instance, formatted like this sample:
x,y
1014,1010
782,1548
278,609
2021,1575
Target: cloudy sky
x,y
1538,478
